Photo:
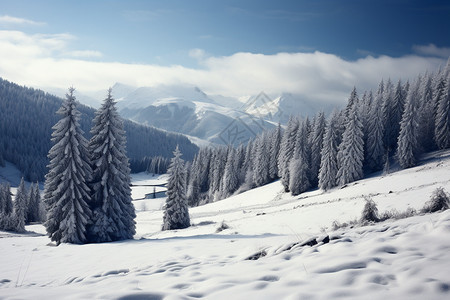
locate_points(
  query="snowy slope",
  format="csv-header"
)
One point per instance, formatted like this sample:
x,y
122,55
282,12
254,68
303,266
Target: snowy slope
x,y
404,259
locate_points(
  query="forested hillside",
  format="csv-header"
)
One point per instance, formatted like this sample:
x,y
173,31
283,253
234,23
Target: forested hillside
x,y
26,119
394,125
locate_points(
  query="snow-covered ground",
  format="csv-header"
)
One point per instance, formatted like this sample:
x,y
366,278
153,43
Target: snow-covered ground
x,y
404,259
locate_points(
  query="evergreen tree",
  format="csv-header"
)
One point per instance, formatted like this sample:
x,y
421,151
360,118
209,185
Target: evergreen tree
x,y
352,100
375,146
287,151
328,162
426,115
261,163
7,199
366,105
316,147
299,167
6,208
351,150
2,199
176,214
34,204
230,181
218,166
396,115
67,195
408,146
113,211
20,207
442,127
275,144
388,118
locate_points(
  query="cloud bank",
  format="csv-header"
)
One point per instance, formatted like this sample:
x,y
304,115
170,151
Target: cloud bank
x,y
47,61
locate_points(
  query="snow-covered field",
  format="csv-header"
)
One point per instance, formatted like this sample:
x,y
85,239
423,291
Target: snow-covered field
x,y
404,259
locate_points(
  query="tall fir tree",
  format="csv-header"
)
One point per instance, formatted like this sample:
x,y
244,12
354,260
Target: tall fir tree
x,y
20,207
316,143
442,127
34,204
67,195
287,151
328,162
176,213
6,208
351,150
113,211
352,100
388,119
275,144
299,166
230,181
375,147
426,115
408,148
261,162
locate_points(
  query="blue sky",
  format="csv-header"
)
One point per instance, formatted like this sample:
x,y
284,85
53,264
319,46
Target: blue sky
x,y
193,36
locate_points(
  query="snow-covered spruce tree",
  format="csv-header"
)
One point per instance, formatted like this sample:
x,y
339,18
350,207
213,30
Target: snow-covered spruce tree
x,y
352,100
299,167
6,202
351,150
386,104
275,144
328,161
375,146
113,211
67,195
230,181
426,115
366,105
2,199
20,207
408,145
442,125
287,151
6,208
176,213
34,203
316,143
261,161
396,115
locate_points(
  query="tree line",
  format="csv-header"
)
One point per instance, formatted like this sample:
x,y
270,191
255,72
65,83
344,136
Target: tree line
x,y
25,209
396,123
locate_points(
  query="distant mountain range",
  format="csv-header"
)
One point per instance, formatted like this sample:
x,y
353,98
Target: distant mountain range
x,y
208,118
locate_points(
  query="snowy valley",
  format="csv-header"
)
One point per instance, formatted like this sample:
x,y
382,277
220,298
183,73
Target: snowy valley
x,y
250,245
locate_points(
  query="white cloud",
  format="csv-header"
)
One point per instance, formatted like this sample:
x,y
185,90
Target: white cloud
x,y
8,20
42,61
433,50
85,53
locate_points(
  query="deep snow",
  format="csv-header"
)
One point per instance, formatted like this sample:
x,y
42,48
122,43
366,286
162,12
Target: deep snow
x,y
404,259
